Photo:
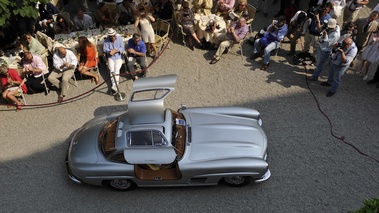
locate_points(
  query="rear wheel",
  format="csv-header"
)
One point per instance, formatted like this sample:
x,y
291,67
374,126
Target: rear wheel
x,y
121,184
237,180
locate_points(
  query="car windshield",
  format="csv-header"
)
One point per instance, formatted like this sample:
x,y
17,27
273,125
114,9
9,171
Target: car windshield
x,y
107,137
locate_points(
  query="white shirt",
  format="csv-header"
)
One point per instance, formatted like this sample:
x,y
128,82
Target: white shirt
x,y
58,60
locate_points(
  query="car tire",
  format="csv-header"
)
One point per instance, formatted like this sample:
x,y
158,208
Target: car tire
x,y
237,181
121,184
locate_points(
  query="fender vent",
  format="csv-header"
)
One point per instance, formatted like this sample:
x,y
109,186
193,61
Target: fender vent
x,y
197,180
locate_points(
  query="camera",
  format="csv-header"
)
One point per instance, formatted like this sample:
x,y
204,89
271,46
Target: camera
x,y
335,49
314,11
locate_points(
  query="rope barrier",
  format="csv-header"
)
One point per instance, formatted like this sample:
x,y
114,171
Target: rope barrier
x,y
93,89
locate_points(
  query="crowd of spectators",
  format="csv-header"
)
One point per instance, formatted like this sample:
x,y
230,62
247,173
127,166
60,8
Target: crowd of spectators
x,y
317,25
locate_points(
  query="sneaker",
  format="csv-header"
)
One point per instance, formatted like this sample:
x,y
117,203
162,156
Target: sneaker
x,y
365,77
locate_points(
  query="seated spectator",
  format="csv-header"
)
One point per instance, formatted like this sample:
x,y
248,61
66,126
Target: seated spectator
x,y
270,41
125,13
370,55
11,81
235,33
47,27
30,44
87,58
241,10
295,29
164,9
114,48
223,8
34,68
143,23
203,7
136,54
63,26
83,21
65,63
327,40
104,15
46,11
186,18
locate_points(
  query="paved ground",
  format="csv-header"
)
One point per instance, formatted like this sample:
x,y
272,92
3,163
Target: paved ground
x,y
312,171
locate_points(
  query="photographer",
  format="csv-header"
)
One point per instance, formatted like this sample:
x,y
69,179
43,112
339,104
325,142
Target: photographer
x,y
328,38
340,63
295,29
270,41
318,17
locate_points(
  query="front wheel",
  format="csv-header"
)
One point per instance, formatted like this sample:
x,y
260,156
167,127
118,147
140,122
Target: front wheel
x,y
121,184
237,181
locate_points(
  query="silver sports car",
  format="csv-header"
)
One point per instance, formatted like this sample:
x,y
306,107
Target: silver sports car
x,y
150,145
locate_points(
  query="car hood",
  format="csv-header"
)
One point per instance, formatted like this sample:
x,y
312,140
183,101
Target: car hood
x,y
217,136
84,146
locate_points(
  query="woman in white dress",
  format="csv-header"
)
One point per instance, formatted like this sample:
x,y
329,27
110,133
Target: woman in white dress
x,y
370,54
143,23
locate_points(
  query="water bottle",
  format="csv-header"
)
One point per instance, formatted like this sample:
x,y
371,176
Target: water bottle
x,y
11,59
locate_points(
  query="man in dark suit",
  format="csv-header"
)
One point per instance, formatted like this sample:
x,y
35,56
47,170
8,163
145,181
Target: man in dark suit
x,y
365,27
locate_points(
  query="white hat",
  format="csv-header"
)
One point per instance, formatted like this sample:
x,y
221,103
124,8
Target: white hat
x,y
332,23
111,32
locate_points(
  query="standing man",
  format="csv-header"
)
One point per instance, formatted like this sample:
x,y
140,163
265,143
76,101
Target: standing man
x,y
136,53
352,9
314,26
36,71
327,40
65,63
114,48
83,21
340,63
295,29
235,33
365,27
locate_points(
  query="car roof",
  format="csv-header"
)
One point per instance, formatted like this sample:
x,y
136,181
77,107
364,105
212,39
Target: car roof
x,y
146,103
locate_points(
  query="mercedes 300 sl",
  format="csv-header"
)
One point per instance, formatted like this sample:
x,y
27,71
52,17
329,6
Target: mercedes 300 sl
x,y
150,145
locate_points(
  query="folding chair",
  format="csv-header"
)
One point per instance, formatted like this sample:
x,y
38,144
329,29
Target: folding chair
x,y
161,29
21,93
251,11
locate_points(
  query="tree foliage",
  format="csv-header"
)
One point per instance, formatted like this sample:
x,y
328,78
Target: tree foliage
x,y
10,9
